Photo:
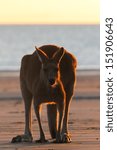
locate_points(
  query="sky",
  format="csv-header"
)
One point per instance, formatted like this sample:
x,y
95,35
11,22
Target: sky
x,y
49,11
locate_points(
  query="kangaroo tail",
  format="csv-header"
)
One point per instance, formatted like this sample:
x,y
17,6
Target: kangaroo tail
x,y
52,119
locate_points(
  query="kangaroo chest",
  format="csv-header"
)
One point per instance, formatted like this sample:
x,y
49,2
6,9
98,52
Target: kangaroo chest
x,y
47,94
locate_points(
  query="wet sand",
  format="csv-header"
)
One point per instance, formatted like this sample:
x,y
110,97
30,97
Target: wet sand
x,y
83,117
87,85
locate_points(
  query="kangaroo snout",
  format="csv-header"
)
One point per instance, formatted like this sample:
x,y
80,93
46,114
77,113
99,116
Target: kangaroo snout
x,y
52,81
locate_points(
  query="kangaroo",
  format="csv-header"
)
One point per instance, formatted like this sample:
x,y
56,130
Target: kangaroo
x,y
48,76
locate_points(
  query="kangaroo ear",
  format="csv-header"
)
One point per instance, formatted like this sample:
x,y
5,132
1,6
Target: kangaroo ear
x,y
41,55
59,55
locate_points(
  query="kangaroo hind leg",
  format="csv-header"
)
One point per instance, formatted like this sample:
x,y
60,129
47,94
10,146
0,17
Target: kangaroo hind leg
x,y
66,138
27,136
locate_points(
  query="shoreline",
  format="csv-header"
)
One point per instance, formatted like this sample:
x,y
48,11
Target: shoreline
x,y
83,72
87,85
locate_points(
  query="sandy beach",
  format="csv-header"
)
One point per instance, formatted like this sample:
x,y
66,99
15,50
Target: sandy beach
x,y
83,118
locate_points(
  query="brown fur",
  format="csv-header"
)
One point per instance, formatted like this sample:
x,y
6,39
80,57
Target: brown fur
x,y
42,82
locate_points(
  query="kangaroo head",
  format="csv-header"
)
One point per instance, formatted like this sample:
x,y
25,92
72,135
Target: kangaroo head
x,y
50,66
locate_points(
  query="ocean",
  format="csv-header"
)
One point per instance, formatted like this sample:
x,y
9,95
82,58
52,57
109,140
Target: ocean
x,y
81,40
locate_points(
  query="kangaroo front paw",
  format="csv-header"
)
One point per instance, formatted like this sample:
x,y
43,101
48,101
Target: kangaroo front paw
x,y
66,138
22,138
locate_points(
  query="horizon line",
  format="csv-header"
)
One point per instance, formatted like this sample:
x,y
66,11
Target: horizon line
x,y
30,24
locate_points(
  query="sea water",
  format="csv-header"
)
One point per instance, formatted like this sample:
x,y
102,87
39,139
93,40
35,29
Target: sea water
x,y
80,40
